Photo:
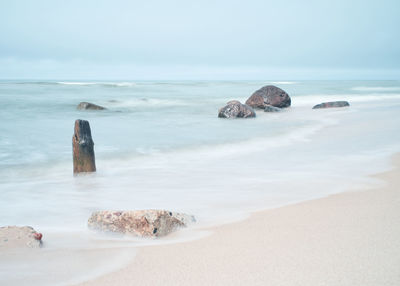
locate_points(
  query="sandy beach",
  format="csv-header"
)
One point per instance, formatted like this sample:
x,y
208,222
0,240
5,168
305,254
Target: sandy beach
x,y
199,143
345,239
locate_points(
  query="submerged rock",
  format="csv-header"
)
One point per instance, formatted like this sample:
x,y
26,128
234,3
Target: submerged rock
x,y
331,104
143,223
270,108
269,95
89,106
235,109
19,237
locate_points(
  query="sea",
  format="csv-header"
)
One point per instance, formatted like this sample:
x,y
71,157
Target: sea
x,y
161,145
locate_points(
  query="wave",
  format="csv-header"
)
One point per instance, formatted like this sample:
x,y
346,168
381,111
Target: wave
x,y
376,88
150,102
111,84
318,98
32,83
283,82
75,83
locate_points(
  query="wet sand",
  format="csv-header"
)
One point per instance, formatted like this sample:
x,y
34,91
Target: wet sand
x,y
351,238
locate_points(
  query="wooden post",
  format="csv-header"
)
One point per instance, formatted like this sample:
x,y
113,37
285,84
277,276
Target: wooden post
x,y
82,145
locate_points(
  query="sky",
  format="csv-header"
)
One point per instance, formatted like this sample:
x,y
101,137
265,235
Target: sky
x,y
177,39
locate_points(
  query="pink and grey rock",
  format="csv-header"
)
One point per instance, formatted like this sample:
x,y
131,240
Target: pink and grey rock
x,y
332,104
269,95
235,109
19,237
143,223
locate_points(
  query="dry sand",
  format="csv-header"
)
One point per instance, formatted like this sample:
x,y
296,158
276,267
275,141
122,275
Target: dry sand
x,y
345,239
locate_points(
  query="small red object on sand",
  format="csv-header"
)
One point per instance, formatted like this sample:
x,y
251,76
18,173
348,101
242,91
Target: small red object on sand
x,y
38,235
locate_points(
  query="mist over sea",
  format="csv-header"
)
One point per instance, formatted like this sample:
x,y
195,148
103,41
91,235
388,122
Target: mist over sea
x,y
160,144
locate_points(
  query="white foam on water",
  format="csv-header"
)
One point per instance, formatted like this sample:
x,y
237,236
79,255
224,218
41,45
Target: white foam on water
x,y
115,84
121,84
376,88
319,98
76,83
59,266
148,102
283,82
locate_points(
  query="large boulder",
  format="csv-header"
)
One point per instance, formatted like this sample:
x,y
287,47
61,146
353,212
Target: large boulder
x,y
19,237
269,95
89,106
235,109
331,104
143,223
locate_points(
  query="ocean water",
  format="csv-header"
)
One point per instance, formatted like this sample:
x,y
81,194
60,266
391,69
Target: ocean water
x,y
161,145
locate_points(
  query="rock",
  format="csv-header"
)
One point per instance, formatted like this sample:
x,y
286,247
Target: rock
x,y
234,109
82,147
270,108
269,95
38,236
19,237
89,106
331,104
143,223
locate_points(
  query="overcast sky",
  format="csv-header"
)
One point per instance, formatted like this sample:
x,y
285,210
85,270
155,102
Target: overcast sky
x,y
174,39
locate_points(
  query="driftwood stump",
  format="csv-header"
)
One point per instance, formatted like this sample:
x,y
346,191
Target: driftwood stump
x,y
82,145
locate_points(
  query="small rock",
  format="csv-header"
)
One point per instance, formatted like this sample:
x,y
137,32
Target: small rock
x,y
331,104
270,108
19,237
143,223
235,109
269,95
89,106
38,236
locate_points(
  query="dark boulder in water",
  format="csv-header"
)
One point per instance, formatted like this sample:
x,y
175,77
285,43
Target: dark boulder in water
x,y
332,104
235,109
89,106
270,108
82,148
269,95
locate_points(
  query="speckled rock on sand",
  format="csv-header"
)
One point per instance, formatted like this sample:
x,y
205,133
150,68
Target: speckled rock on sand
x,y
19,237
143,223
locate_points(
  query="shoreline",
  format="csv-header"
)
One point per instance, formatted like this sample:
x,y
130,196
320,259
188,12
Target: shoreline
x,y
349,238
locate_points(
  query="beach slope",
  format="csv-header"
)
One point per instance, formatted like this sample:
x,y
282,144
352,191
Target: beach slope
x,y
345,239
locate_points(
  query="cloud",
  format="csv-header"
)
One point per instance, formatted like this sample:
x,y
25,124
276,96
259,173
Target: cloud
x,y
223,35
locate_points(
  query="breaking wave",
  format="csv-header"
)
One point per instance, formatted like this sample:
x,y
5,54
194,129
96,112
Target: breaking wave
x,y
318,98
111,84
283,82
376,88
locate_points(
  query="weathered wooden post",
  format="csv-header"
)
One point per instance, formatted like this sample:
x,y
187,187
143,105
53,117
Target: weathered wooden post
x,y
82,146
